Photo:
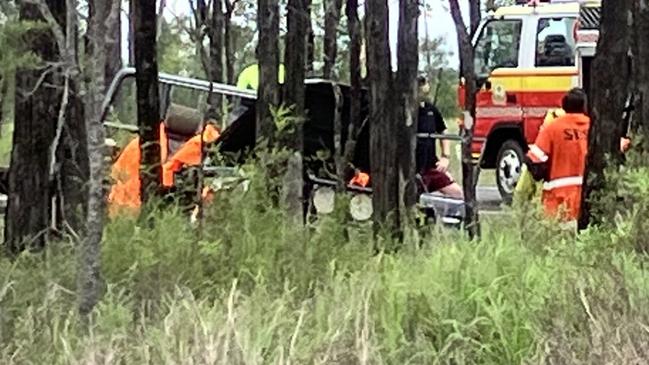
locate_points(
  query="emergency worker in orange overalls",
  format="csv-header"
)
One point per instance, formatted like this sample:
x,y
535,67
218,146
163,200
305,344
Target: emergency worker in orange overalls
x,y
558,157
125,192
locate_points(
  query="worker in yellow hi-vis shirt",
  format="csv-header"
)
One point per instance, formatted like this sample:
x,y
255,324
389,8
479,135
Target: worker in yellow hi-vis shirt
x,y
527,187
249,77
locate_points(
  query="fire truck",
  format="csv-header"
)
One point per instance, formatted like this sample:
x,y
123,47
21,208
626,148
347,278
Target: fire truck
x,y
526,57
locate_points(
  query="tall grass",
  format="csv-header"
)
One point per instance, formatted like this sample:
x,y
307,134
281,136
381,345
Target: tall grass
x,y
256,290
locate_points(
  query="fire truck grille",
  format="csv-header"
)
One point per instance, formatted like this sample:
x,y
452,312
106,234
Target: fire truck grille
x,y
589,17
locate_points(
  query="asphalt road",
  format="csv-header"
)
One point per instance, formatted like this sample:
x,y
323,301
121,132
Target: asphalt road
x,y
489,198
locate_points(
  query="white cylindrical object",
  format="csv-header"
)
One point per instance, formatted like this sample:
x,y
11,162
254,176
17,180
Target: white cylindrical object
x,y
324,200
360,207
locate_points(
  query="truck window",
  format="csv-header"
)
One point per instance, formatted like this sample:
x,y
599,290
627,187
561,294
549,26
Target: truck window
x,y
497,46
555,42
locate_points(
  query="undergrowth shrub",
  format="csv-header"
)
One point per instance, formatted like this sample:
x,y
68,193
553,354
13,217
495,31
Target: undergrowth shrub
x,y
252,288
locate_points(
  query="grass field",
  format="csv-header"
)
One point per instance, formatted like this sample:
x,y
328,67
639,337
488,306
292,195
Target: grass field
x,y
256,289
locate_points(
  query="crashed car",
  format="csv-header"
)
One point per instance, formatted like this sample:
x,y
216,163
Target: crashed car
x,y
323,99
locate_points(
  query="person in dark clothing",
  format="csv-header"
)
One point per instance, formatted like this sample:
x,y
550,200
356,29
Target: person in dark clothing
x,y
432,169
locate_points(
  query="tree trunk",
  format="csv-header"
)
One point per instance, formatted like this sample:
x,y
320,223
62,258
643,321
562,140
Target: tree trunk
x,y
474,12
295,57
148,103
29,204
227,41
354,29
131,32
101,19
71,167
472,222
268,56
332,18
641,52
382,147
408,62
609,90
310,48
215,72
294,93
113,52
72,155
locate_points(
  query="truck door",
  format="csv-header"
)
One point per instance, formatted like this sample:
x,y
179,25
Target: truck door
x,y
497,57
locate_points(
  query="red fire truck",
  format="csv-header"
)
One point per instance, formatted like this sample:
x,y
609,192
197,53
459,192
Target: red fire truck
x,y
526,57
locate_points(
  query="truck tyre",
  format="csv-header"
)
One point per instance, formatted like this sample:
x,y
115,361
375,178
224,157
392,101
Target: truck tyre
x,y
509,163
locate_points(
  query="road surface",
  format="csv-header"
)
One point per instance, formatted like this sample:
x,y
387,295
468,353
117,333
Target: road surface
x,y
489,198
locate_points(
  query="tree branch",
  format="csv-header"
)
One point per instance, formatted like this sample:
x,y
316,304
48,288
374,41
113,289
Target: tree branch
x,y
56,28
456,13
59,124
230,6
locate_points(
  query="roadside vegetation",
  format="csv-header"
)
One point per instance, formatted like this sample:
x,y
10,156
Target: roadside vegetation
x,y
257,290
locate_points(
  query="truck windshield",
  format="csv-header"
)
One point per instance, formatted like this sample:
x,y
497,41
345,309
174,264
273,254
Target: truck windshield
x,y
497,46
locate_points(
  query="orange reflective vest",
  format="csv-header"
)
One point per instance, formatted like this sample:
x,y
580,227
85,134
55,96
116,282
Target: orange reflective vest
x,y
188,155
563,145
360,179
125,191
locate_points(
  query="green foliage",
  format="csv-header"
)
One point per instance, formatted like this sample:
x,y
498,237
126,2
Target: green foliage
x,y
443,80
175,56
255,289
624,204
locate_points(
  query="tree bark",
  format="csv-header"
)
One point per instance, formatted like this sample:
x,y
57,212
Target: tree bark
x,y
332,18
268,56
476,16
354,29
408,62
609,90
148,103
641,70
69,170
215,72
37,105
472,222
102,18
295,57
294,94
382,147
113,52
131,32
227,40
72,155
310,50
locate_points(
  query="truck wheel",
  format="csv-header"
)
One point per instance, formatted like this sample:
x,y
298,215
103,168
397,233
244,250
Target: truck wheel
x,y
508,168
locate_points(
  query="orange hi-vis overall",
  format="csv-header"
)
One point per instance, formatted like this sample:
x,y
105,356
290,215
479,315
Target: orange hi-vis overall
x,y
563,145
125,192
